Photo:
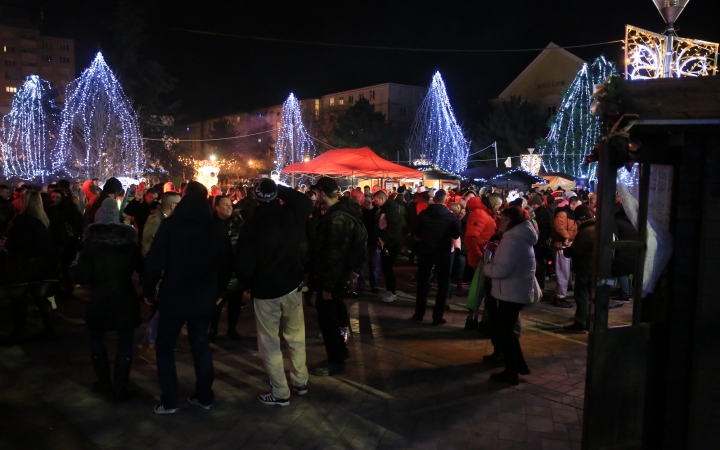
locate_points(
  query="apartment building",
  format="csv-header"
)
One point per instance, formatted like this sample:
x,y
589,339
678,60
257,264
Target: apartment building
x,y
27,52
398,102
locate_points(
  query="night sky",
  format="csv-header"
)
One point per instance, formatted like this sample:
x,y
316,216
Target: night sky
x,y
220,75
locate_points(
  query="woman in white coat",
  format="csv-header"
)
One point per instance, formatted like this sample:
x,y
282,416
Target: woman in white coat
x,y
512,270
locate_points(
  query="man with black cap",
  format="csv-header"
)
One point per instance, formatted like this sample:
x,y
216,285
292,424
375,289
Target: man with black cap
x,y
340,235
436,229
581,252
191,254
111,189
269,260
544,220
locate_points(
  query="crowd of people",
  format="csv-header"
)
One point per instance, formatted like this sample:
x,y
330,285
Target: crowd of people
x,y
191,251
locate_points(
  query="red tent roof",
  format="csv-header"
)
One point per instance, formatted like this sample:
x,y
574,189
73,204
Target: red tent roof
x,y
353,162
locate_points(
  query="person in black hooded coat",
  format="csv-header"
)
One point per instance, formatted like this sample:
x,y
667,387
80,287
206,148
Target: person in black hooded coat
x,y
107,261
191,253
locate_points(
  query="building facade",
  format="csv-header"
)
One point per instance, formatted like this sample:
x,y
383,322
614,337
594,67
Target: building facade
x,y
545,79
27,52
398,102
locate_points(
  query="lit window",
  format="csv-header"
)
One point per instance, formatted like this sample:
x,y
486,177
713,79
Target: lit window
x,y
372,95
332,101
317,108
341,101
10,89
65,59
47,58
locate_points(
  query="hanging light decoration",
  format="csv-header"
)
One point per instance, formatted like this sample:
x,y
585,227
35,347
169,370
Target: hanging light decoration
x,y
294,143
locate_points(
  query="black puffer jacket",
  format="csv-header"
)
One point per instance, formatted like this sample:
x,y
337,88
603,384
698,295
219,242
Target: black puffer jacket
x,y
269,258
108,258
392,235
436,228
625,259
191,253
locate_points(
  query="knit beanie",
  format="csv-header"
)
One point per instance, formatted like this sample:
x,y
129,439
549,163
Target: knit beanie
x,y
108,212
537,200
112,186
266,190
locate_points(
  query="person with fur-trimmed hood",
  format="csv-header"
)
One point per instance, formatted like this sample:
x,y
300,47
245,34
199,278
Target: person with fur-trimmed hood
x,y
107,261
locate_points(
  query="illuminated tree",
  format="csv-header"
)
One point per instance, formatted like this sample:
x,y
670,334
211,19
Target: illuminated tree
x,y
28,134
575,129
99,134
435,134
294,144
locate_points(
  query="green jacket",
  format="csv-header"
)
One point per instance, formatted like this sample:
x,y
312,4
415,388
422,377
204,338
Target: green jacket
x,y
581,250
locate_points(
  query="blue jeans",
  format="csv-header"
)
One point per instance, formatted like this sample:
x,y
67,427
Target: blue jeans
x,y
457,267
582,298
370,271
168,330
151,332
624,281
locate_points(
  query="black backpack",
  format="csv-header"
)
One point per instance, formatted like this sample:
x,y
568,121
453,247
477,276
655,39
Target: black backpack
x,y
357,253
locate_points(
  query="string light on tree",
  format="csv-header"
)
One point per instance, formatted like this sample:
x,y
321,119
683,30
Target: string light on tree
x,y
28,131
99,133
435,133
575,128
294,144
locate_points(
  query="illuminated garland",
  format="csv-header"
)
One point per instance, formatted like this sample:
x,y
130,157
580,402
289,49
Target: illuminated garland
x,y
531,163
535,177
435,133
294,144
99,135
28,131
575,128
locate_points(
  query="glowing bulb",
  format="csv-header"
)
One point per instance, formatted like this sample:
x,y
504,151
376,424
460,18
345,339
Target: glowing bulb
x,y
250,163
306,159
213,157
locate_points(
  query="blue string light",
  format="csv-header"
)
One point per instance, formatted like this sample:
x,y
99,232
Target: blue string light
x,y
28,131
435,134
575,128
294,144
99,133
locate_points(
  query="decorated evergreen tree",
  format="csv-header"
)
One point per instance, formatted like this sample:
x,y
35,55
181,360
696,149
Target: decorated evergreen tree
x,y
435,135
294,144
575,129
99,134
28,133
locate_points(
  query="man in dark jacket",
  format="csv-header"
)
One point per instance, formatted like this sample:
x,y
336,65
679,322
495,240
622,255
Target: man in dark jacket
x,y
334,254
544,220
111,189
141,207
191,253
389,231
435,230
269,259
581,252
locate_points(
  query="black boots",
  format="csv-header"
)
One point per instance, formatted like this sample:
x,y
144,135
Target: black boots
x,y
102,371
120,391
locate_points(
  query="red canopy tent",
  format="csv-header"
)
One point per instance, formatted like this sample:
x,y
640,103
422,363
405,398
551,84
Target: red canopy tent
x,y
353,162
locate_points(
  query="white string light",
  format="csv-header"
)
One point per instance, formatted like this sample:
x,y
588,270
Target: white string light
x,y
576,129
294,144
28,131
435,134
99,133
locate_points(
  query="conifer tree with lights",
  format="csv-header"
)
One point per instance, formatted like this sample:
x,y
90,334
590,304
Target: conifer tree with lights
x,y
435,136
99,133
29,130
293,144
575,129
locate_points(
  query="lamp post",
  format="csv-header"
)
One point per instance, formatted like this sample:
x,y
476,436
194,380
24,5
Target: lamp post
x,y
670,10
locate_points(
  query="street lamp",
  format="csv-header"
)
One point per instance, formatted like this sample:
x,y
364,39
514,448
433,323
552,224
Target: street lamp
x,y
250,163
670,10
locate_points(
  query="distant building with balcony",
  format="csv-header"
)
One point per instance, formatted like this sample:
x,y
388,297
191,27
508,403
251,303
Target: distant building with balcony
x,y
398,102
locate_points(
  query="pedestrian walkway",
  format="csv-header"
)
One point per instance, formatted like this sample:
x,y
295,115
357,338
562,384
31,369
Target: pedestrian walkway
x,y
407,385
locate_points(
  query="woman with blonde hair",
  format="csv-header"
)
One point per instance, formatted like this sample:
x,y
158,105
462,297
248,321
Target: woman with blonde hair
x,y
30,269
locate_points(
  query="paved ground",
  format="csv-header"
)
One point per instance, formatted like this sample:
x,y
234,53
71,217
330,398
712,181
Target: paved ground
x,y
408,385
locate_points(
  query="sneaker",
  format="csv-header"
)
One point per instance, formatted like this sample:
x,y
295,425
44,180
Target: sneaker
x,y
182,345
576,327
505,377
437,322
329,370
623,299
389,297
194,401
160,409
562,303
268,399
615,304
147,353
300,390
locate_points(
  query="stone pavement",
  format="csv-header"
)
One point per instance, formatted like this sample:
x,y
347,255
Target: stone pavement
x,y
408,385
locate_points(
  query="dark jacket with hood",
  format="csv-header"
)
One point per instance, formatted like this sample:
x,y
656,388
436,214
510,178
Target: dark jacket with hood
x,y
392,235
544,220
581,250
268,258
625,259
107,261
334,242
436,228
191,253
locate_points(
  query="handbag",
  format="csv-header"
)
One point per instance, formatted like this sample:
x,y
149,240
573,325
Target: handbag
x,y
537,294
